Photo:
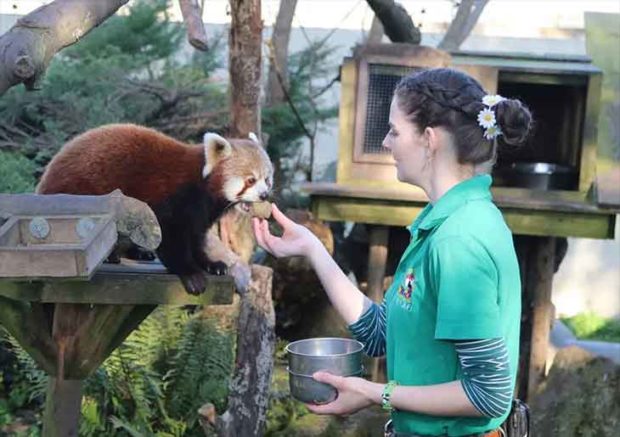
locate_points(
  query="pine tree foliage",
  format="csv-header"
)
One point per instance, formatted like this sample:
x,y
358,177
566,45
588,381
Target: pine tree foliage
x,y
130,69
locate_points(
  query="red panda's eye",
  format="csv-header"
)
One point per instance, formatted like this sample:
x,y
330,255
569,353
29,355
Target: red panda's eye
x,y
251,181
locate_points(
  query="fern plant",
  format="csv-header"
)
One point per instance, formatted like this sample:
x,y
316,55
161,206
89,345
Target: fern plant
x,y
151,385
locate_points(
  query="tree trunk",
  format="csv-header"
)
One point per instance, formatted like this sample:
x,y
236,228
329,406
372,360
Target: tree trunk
x,y
28,47
397,23
466,18
245,44
279,55
249,389
248,396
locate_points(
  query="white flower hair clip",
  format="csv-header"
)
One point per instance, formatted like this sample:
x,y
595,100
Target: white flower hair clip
x,y
486,117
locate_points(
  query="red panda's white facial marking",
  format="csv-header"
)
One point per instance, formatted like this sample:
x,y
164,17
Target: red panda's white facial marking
x,y
217,148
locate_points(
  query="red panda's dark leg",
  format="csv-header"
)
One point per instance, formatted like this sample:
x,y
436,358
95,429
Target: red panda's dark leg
x,y
175,252
201,258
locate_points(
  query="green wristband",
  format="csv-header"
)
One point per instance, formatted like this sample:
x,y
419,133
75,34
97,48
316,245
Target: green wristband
x,y
386,396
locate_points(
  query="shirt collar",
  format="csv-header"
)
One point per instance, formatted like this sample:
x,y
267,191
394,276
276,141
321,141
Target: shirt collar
x,y
477,187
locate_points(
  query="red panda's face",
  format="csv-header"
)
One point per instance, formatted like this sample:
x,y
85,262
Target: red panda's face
x,y
245,171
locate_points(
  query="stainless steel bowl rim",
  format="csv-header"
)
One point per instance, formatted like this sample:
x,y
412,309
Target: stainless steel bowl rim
x,y
359,372
359,344
539,168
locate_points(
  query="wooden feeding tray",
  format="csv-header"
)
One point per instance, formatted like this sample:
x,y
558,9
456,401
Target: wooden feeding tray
x,y
55,246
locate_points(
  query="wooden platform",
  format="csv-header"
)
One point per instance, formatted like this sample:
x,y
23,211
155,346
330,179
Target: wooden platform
x,y
129,283
527,212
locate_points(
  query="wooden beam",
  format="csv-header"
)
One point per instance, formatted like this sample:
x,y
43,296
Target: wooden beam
x,y
524,221
27,324
62,408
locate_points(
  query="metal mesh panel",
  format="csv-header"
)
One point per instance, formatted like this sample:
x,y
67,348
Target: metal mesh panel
x,y
382,80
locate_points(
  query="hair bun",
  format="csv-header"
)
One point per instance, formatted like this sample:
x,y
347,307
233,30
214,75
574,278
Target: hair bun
x,y
515,121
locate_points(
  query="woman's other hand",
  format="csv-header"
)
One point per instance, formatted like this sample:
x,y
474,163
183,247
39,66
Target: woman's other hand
x,y
296,240
352,395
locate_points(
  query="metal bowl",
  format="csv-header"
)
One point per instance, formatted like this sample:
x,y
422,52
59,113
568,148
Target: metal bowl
x,y
340,356
536,175
306,389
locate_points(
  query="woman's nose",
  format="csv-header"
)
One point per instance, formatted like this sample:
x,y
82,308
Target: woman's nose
x,y
384,143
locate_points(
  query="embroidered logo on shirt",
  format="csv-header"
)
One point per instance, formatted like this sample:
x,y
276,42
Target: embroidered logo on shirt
x,y
405,290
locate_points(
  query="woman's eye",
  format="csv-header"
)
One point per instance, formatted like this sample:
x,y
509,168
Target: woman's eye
x,y
392,133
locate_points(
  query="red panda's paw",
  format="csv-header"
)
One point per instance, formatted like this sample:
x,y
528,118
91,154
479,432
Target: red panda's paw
x,y
217,268
194,283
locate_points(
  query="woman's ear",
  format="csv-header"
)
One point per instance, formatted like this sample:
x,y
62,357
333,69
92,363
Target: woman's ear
x,y
431,139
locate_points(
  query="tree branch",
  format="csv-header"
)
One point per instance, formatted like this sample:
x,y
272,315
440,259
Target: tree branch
x,y
28,47
279,46
192,16
397,23
466,18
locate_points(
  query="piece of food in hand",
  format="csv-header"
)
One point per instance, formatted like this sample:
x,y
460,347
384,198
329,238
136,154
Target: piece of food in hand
x,y
261,209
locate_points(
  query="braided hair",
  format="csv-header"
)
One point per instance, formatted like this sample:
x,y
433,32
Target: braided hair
x,y
452,99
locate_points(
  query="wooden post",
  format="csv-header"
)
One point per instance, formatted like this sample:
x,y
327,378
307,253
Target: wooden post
x,y
539,277
62,407
537,262
377,259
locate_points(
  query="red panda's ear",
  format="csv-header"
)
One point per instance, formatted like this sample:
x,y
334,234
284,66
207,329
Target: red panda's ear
x,y
252,136
216,149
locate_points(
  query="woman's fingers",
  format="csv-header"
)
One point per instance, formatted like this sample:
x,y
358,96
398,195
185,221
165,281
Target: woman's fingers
x,y
259,233
279,216
268,239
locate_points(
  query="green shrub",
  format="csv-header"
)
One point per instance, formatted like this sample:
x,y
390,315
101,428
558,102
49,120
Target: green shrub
x,y
591,326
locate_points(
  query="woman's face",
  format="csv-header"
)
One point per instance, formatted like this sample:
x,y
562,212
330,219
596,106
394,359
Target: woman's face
x,y
408,146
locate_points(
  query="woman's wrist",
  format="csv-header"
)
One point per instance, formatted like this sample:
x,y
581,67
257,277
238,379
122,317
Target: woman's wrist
x,y
372,391
315,251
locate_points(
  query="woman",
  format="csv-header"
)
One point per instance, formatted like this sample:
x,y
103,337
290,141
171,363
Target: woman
x,y
449,323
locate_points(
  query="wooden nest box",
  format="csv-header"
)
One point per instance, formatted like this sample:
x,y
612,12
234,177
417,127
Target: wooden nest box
x,y
562,93
546,187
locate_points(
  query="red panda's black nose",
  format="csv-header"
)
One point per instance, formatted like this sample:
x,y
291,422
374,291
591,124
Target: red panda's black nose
x,y
264,196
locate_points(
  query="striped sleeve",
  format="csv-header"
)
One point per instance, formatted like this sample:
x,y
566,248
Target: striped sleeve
x,y
486,375
369,329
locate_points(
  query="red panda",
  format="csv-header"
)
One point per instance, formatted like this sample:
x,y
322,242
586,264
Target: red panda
x,y
188,187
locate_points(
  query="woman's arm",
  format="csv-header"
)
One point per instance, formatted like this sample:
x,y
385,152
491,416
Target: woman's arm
x,y
297,240
484,389
370,329
348,300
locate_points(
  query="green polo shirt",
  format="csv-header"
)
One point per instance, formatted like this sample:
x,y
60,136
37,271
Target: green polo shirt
x,y
457,280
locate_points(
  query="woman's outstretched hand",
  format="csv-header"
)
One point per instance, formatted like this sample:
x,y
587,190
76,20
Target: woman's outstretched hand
x,y
296,240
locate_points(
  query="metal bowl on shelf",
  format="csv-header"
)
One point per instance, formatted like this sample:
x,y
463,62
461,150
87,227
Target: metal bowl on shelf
x,y
536,175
